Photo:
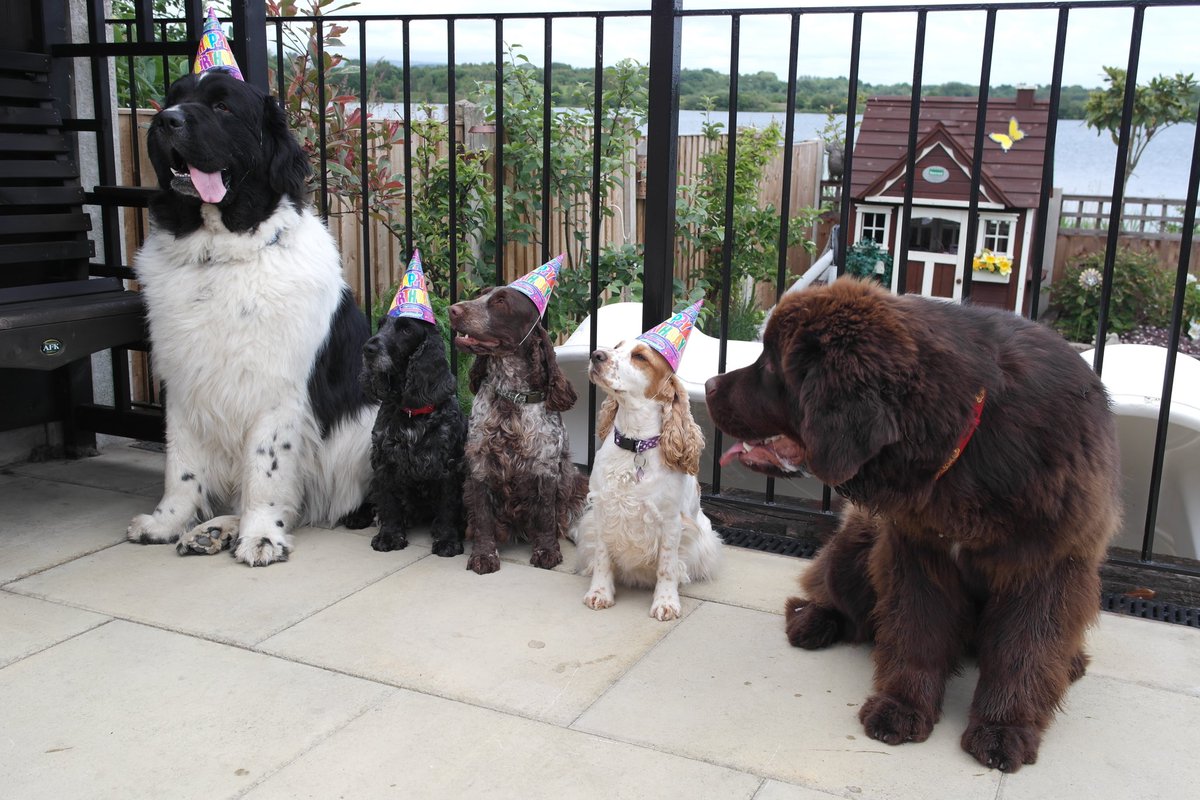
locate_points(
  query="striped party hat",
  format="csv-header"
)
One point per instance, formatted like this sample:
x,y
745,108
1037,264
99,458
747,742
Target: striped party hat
x,y
214,52
538,284
670,337
412,299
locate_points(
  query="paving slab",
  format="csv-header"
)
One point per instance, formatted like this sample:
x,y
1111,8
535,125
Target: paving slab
x,y
119,467
751,579
127,712
1115,740
1146,651
726,687
215,596
44,523
28,625
776,790
516,640
416,745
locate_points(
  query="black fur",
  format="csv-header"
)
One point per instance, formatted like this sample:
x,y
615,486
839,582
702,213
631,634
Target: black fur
x,y
417,459
218,123
333,389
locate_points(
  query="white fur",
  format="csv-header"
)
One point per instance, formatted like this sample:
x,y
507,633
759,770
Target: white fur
x,y
648,532
237,321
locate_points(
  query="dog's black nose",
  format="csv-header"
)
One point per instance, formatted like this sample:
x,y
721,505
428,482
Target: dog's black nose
x,y
371,348
171,118
598,357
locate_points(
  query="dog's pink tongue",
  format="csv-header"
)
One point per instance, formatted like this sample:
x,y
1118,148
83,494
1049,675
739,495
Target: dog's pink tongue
x,y
783,454
209,185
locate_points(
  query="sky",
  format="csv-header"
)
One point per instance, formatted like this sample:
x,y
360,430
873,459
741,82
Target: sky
x,y
1023,53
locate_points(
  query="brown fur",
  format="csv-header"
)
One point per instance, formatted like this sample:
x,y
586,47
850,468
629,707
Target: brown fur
x,y
999,556
520,481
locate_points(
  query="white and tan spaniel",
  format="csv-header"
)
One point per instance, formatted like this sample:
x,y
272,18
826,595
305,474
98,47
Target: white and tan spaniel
x,y
643,525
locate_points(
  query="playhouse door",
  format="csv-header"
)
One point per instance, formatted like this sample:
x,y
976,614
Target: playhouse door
x,y
934,252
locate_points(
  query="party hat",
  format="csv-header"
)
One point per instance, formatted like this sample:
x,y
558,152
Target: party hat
x,y
412,299
214,49
670,337
538,284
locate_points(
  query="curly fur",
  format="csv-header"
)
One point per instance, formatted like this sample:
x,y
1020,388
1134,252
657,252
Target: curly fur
x,y
643,525
416,459
256,335
999,555
520,480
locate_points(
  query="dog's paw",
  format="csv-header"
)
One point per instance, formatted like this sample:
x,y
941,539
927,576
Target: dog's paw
x,y
598,598
145,529
209,538
890,721
359,518
447,547
665,609
1002,747
1079,665
810,626
258,551
483,563
386,541
546,557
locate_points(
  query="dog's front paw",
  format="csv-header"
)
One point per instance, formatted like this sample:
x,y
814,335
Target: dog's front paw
x,y
258,551
598,598
1002,747
890,721
359,518
811,626
665,608
388,540
145,529
208,538
447,547
483,563
546,557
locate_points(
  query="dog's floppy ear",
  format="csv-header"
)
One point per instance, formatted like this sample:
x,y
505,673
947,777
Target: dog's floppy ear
x,y
560,395
606,418
682,441
428,380
843,427
478,373
287,165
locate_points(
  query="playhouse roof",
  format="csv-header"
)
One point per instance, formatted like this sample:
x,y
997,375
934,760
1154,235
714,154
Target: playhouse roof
x,y
881,143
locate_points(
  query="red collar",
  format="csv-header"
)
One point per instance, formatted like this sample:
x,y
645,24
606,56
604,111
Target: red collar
x,y
416,412
976,414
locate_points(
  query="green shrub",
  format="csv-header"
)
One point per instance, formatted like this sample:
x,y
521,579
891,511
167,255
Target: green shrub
x,y
1141,295
861,260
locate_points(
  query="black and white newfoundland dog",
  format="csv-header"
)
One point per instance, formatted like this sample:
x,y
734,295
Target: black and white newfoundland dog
x,y
256,336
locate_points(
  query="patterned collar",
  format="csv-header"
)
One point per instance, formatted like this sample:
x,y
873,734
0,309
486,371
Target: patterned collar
x,y
976,415
634,445
522,397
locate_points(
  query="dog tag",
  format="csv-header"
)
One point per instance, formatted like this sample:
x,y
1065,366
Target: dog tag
x,y
639,461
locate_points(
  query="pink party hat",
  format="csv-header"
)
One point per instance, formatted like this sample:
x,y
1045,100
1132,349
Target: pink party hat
x,y
214,49
412,299
538,284
670,337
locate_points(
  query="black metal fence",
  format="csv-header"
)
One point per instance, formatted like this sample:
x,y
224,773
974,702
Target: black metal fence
x,y
259,43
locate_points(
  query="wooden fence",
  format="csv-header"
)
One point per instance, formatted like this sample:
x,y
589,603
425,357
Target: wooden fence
x,y
1148,225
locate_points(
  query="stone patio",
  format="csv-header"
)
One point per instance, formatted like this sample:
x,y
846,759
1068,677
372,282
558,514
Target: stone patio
x,y
129,672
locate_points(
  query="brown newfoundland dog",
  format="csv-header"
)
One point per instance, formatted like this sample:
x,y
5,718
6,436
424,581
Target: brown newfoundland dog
x,y
979,456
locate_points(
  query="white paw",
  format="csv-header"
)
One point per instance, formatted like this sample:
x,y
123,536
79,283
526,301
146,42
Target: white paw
x,y
145,529
665,608
209,538
597,599
258,551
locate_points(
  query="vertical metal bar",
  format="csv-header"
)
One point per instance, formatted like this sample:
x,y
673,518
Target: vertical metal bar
x,y
735,30
1118,192
322,158
250,41
105,146
914,118
662,151
847,227
597,221
966,244
1164,409
135,145
408,167
193,17
279,65
499,151
143,15
789,130
547,104
364,173
452,154
165,60
1042,215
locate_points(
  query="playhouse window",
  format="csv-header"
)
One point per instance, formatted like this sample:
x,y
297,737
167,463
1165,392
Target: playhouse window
x,y
997,235
874,227
933,235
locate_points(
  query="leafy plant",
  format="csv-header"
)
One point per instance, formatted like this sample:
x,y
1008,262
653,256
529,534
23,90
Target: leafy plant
x,y
145,79
862,258
1141,295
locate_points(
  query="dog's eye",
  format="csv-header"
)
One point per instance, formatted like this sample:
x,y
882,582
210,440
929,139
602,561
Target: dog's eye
x,y
220,106
637,356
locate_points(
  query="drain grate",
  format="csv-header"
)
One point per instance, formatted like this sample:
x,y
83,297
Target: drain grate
x,y
1150,609
768,542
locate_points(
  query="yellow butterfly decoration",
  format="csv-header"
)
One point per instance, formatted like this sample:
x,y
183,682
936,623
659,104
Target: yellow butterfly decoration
x,y
1007,140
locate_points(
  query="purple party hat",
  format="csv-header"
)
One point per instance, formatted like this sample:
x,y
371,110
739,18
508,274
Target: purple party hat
x,y
412,299
214,49
670,337
538,284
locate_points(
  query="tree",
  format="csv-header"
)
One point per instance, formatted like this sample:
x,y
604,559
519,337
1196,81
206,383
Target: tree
x,y
1162,103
